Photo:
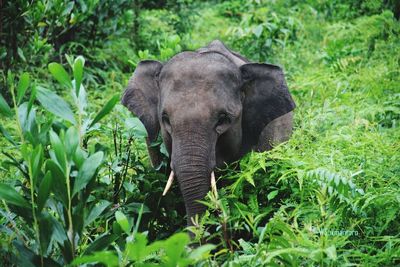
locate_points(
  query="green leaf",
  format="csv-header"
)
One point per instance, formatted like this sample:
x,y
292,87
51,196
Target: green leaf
x,y
27,117
249,178
331,252
258,30
272,194
44,191
32,97
9,195
108,258
101,243
136,126
96,211
136,250
46,230
122,220
202,252
78,73
105,110
71,141
58,71
55,104
36,162
22,86
4,107
87,170
79,157
7,135
247,247
59,232
59,186
278,252
21,54
81,100
175,245
59,151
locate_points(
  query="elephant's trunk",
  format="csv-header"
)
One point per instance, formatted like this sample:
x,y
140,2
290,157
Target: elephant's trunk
x,y
193,160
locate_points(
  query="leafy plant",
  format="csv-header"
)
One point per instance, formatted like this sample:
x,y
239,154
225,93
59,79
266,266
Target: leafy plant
x,y
135,250
261,32
55,195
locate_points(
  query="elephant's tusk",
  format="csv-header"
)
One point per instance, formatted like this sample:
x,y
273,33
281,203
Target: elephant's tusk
x,y
169,183
214,185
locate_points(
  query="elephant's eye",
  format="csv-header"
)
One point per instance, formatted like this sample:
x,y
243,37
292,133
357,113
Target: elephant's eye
x,y
165,118
223,119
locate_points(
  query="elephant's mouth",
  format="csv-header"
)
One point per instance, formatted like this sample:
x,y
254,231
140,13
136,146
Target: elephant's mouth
x,y
171,180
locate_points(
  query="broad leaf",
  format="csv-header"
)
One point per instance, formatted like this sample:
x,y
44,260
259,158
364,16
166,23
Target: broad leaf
x,y
9,195
58,71
87,170
44,191
36,162
202,252
258,30
78,73
101,243
105,110
71,141
96,211
108,258
55,104
22,86
59,186
59,151
175,246
122,220
27,118
272,194
4,107
7,135
46,230
136,126
136,250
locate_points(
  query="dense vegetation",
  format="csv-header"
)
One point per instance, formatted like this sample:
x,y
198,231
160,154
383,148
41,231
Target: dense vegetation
x,y
76,183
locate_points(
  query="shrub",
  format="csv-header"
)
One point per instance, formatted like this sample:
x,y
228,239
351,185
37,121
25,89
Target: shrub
x,y
262,32
55,199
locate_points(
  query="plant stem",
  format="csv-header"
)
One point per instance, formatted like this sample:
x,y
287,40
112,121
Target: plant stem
x,y
32,186
36,225
70,232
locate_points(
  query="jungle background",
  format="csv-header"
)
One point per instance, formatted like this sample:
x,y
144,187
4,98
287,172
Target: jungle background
x,y
77,187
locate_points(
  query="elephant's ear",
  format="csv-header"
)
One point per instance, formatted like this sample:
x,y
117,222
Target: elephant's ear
x,y
141,95
267,97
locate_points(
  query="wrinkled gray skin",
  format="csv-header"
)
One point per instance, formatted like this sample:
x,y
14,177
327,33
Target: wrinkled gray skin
x,y
211,106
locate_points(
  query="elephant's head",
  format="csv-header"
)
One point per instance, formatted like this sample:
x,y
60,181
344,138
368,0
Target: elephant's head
x,y
210,107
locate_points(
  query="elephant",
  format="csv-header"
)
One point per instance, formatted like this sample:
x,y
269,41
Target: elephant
x,y
211,106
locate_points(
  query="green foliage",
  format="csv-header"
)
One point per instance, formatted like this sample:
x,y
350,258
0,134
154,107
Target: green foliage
x,y
57,174
56,24
262,32
347,9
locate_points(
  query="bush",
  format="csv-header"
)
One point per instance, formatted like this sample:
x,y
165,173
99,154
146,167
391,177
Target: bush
x,y
262,32
56,201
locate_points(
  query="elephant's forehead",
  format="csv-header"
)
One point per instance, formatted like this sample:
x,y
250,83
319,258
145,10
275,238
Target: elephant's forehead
x,y
199,80
193,97
196,91
191,71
